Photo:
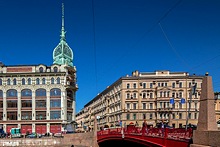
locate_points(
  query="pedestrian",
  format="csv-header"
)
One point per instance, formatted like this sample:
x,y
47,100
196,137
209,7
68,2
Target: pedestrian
x,y
144,127
136,124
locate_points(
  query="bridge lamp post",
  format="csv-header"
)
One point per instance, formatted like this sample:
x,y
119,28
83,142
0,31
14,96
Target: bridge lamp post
x,y
181,101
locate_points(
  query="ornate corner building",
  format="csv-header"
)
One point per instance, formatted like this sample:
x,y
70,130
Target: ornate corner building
x,y
154,96
39,98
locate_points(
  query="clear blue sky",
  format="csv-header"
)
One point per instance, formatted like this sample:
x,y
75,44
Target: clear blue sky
x,y
123,36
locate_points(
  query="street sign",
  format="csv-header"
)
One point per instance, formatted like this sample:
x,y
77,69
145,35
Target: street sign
x,y
182,101
172,101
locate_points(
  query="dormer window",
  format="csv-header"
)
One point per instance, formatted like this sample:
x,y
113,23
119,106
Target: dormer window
x,y
55,69
41,69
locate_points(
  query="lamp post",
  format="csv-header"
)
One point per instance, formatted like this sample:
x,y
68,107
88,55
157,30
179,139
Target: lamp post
x,y
193,91
181,101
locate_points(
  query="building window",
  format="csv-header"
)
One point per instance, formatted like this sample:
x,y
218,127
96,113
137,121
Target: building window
x,y
12,103
0,81
134,106
158,84
52,80
151,85
128,86
144,95
144,105
37,81
55,92
144,85
128,95
135,95
69,116
41,115
151,95
168,94
161,93
173,94
40,93
180,115
128,116
55,69
1,94
26,103
190,115
134,116
55,114
165,84
144,116
58,80
26,93
26,115
43,81
151,116
189,84
12,115
180,84
151,105
11,93
23,81
195,117
14,82
174,116
55,103
173,85
135,85
29,81
41,103
180,94
8,82
41,69
128,106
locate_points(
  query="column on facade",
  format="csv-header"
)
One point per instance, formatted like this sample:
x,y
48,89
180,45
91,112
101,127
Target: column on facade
x,y
63,105
4,106
19,104
74,106
33,105
48,104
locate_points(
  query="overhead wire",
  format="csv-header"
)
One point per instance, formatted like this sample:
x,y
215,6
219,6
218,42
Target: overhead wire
x,y
150,29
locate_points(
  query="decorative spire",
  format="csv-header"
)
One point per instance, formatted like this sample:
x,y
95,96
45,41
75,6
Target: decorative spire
x,y
62,29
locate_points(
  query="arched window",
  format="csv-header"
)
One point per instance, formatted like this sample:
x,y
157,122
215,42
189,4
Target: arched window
x,y
23,81
41,92
8,82
52,80
41,69
26,93
1,94
0,81
11,93
55,69
55,92
14,82
29,81
58,80
37,81
43,81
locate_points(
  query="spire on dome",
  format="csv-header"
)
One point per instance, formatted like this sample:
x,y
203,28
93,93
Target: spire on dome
x,y
62,29
63,54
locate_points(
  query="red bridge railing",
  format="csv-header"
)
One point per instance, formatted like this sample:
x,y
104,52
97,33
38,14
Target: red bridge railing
x,y
162,136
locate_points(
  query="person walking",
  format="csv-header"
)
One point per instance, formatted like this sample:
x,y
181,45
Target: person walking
x,y
144,127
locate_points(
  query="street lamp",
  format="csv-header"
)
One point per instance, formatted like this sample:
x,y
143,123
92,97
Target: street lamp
x,y
193,91
172,102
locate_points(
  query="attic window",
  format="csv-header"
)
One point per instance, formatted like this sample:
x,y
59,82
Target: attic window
x,y
41,69
55,69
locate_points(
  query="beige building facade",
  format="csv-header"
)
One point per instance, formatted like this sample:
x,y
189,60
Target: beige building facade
x,y
154,96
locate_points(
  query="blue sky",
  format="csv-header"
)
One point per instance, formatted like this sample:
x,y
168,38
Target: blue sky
x,y
123,36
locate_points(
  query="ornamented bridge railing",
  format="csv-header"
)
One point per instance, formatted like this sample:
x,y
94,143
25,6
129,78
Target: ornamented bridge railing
x,y
161,136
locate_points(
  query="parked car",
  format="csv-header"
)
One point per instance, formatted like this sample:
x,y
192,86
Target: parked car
x,y
60,135
32,135
194,127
